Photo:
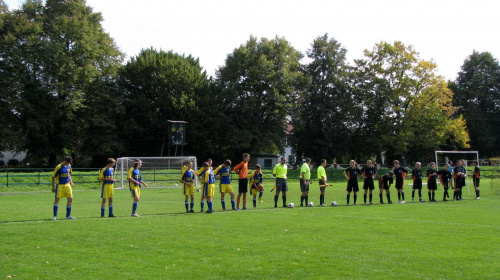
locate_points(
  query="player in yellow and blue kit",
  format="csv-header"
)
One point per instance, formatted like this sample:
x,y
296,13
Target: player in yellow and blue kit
x,y
200,174
188,187
223,173
107,187
256,184
135,180
62,174
208,186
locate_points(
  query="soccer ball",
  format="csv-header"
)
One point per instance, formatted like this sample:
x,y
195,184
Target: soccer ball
x,y
310,203
176,185
334,203
291,205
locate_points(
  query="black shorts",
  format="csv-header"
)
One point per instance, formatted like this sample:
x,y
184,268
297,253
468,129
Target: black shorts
x,y
304,187
399,184
281,185
417,184
382,185
243,185
368,184
432,185
461,182
352,186
322,189
475,181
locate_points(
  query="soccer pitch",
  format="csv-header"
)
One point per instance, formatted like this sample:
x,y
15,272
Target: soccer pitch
x,y
442,240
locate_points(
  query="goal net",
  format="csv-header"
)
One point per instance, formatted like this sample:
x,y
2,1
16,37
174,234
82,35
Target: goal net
x,y
443,157
155,171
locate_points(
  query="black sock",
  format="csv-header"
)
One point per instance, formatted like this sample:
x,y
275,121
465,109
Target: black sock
x,y
348,198
307,199
412,194
276,200
381,196
419,194
284,200
364,198
302,200
460,194
433,196
355,198
388,197
429,196
399,196
477,193
403,195
321,199
371,195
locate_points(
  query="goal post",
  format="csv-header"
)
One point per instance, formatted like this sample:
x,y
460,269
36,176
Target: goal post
x,y
155,171
457,155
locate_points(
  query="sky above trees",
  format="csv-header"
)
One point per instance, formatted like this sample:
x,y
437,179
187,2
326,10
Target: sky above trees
x,y
443,31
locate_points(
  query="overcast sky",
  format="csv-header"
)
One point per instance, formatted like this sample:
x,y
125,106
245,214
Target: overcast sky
x,y
444,31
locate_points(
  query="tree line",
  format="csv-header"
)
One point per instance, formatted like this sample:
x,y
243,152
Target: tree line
x,y
65,89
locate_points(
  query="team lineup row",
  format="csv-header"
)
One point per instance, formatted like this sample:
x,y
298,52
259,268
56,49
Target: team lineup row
x,y
449,176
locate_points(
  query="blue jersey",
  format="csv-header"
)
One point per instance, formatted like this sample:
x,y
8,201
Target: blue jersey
x,y
106,173
255,178
62,173
225,174
211,177
136,175
188,176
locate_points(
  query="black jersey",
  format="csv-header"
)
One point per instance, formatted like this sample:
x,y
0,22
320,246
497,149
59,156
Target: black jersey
x,y
430,175
352,174
416,174
369,172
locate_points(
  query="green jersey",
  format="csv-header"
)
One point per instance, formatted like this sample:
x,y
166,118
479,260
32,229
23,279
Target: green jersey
x,y
280,171
321,173
306,170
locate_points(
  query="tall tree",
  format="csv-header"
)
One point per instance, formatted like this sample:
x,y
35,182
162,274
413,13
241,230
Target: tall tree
x,y
52,52
329,110
407,107
258,85
158,86
477,96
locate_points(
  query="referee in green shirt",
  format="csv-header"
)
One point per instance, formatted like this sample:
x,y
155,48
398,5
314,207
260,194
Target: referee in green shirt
x,y
279,172
305,178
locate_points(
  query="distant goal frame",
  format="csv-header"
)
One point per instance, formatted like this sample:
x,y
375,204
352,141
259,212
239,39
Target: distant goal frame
x,y
121,170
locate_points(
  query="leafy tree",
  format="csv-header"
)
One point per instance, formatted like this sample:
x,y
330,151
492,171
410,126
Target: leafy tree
x,y
325,124
477,96
258,88
51,54
158,86
407,107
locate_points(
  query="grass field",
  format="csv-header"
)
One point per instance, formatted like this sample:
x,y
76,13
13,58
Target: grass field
x,y
444,240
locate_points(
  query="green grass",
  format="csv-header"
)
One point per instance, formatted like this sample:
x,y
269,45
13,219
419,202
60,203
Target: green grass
x,y
452,240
